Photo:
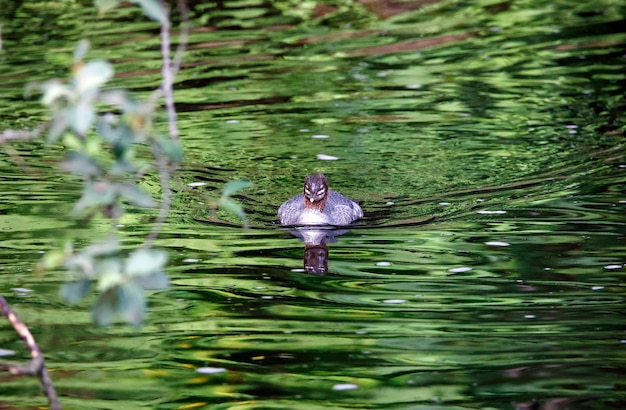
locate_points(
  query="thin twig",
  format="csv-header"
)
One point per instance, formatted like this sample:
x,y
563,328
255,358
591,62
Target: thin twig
x,y
21,135
183,37
166,194
168,78
169,71
36,366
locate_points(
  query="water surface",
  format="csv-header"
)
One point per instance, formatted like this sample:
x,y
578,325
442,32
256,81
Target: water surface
x,y
484,142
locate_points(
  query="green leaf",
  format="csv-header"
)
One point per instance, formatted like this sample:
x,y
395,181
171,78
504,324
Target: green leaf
x,y
92,75
82,264
157,280
103,311
57,128
73,292
233,187
144,262
121,99
54,91
153,9
52,260
132,304
109,273
81,117
73,142
123,167
233,207
81,49
106,247
171,148
135,196
105,5
81,164
96,193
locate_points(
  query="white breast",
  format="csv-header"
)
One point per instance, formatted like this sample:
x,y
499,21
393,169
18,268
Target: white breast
x,y
312,217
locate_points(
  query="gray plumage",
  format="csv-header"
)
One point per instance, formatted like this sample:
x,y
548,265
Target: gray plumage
x,y
338,210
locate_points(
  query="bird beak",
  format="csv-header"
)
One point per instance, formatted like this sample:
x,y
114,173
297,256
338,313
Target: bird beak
x,y
311,199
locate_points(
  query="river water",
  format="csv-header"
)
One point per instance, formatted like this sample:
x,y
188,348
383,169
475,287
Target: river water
x,y
483,140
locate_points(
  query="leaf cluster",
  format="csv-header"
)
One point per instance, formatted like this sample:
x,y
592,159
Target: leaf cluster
x,y
227,203
107,159
119,281
102,131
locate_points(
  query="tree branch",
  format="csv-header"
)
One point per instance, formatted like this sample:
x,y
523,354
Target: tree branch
x,y
36,366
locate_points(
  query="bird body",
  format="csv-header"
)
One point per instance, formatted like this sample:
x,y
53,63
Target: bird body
x,y
318,205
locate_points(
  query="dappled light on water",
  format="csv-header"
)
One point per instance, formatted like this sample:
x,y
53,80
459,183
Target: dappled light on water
x,y
484,143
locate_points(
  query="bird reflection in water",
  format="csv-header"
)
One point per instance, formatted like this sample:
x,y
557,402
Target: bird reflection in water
x,y
317,212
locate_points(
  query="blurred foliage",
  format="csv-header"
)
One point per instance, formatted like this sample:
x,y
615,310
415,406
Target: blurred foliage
x,y
227,203
120,281
151,8
111,144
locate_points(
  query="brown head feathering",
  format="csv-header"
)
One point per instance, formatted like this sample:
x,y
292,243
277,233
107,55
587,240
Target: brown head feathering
x,y
315,191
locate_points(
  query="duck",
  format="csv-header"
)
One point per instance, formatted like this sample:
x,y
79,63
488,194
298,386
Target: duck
x,y
319,206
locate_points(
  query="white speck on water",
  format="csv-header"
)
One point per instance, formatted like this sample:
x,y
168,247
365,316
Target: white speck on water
x,y
444,203
320,136
464,114
390,203
597,287
609,267
460,269
191,260
394,301
571,126
383,263
210,370
547,268
260,287
297,270
529,316
21,290
497,243
345,386
304,130
414,86
325,157
232,121
485,212
193,184
267,297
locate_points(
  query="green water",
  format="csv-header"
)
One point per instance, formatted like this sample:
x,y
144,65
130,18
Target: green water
x,y
484,141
